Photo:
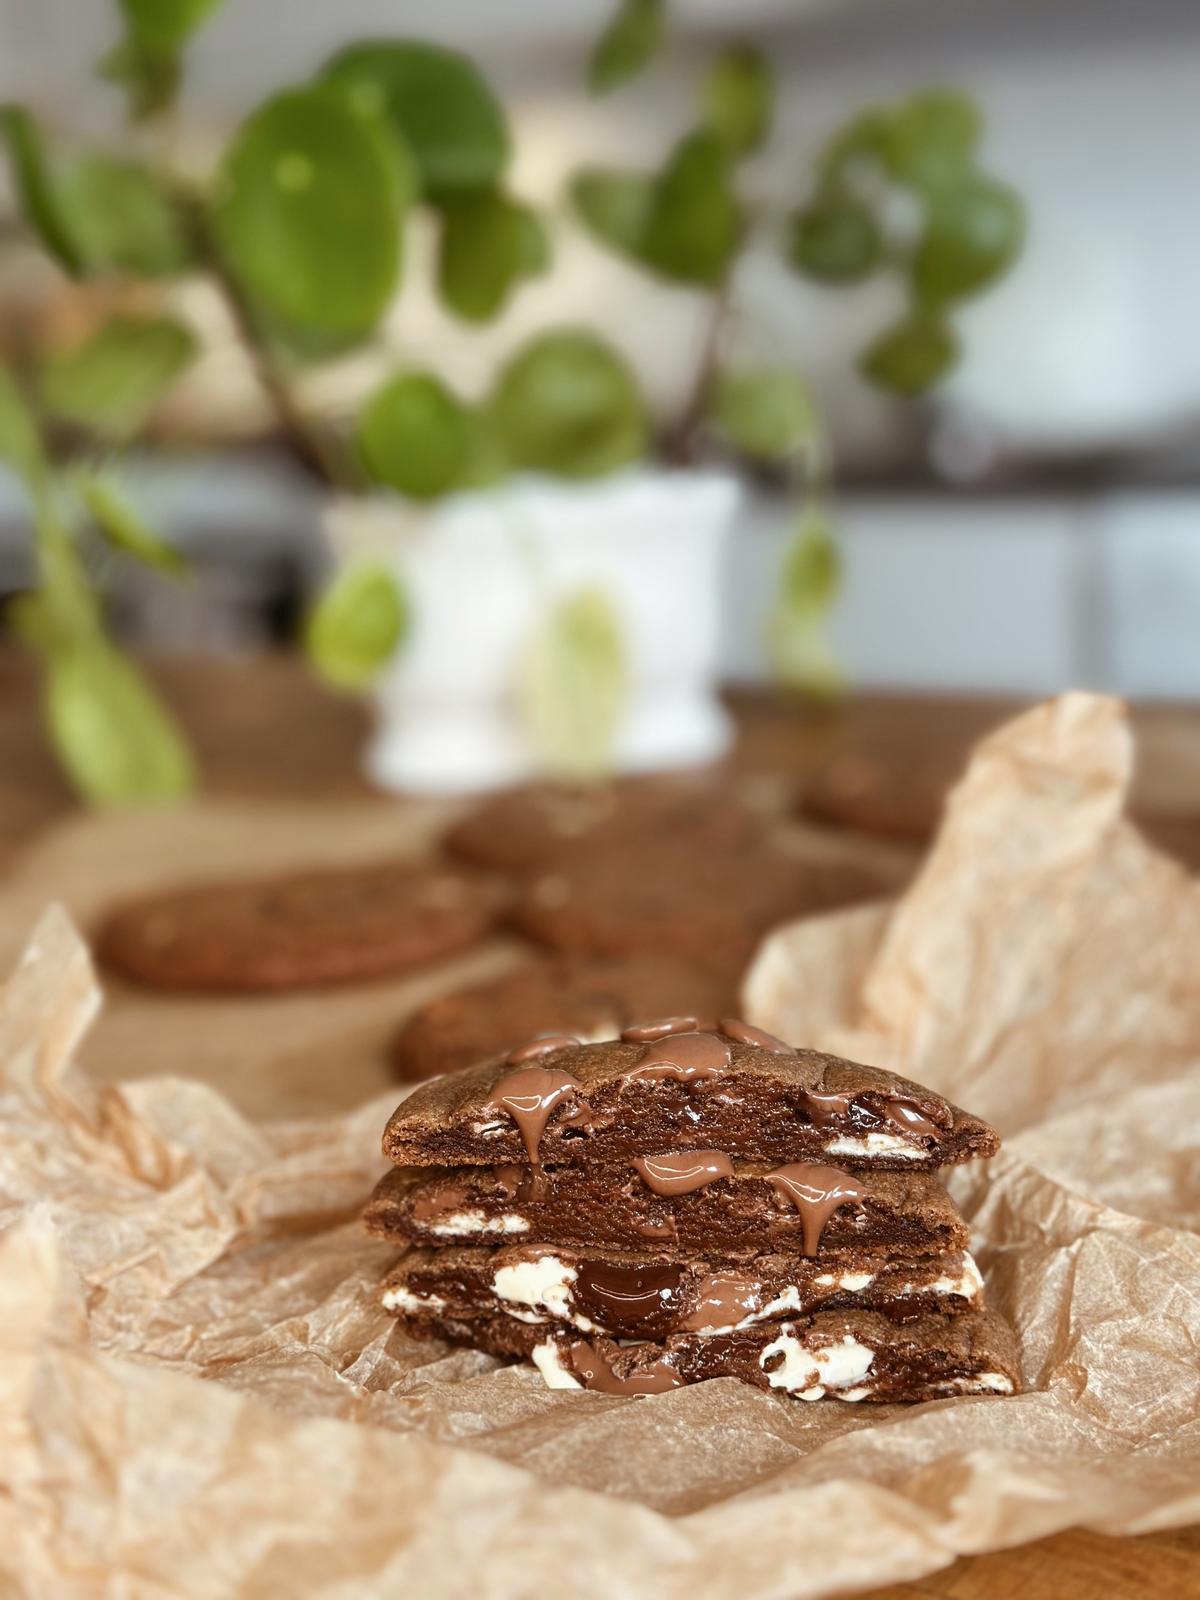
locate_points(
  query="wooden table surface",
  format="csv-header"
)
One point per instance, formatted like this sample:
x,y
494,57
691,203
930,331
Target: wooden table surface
x,y
262,728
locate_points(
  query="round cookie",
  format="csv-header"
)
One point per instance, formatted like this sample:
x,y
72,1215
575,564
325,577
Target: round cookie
x,y
547,826
300,931
872,795
593,999
670,900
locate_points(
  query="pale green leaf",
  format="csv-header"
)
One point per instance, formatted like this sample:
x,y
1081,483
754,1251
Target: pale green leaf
x,y
440,105
122,218
631,39
111,382
810,580
357,625
37,189
973,234
310,203
738,98
572,685
414,436
20,441
911,356
115,739
764,412
124,527
615,207
165,24
694,225
931,139
567,403
489,244
835,239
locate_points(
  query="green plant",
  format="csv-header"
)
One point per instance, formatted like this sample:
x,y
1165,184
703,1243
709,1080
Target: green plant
x,y
301,228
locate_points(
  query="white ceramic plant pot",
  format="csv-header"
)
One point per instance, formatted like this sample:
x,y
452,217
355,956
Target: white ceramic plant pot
x,y
480,570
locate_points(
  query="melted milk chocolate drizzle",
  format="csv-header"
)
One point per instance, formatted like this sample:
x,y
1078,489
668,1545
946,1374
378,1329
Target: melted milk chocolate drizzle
x,y
529,1096
816,1192
743,1033
680,1174
685,1057
824,1109
640,1302
542,1044
647,1032
723,1299
594,1372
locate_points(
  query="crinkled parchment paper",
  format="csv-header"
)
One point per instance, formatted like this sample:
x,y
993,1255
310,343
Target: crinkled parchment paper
x,y
199,1398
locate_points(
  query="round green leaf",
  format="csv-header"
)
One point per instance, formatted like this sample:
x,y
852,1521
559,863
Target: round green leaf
x,y
486,463
414,436
568,404
694,224
738,98
20,441
489,243
37,189
809,583
931,139
310,201
858,142
124,527
973,233
572,685
764,412
631,39
122,219
835,240
113,736
357,626
165,24
812,569
615,206
448,116
111,382
912,356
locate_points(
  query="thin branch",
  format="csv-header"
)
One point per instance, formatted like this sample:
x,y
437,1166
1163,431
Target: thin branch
x,y
313,447
680,442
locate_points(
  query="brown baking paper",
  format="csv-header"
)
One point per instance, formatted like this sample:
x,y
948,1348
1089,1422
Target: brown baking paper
x,y
198,1396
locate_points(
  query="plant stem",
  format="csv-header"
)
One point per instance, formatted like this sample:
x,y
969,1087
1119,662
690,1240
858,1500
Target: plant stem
x,y
316,451
680,442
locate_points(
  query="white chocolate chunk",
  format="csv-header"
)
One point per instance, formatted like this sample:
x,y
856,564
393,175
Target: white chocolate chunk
x,y
401,1299
809,1373
544,1283
875,1144
465,1224
549,1363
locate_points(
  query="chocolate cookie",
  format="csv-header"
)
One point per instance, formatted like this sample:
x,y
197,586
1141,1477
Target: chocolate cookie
x,y
589,999
666,1087
707,906
548,825
846,1355
651,1295
701,1203
335,925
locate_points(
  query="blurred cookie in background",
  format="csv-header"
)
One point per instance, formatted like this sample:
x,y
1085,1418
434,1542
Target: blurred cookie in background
x,y
546,826
300,930
711,907
584,998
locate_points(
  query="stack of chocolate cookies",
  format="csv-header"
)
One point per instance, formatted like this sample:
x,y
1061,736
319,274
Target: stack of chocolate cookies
x,y
689,1201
